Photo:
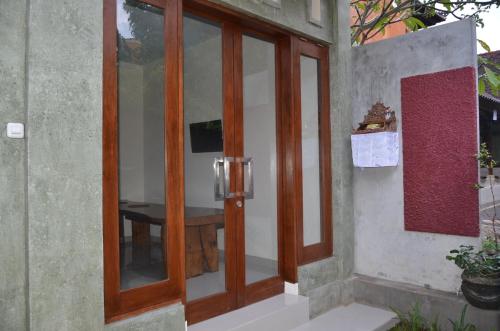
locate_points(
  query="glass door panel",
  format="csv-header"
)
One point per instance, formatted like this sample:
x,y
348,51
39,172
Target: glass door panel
x,y
259,118
203,145
311,193
141,167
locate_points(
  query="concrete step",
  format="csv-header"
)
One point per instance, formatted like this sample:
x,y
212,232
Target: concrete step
x,y
280,313
354,317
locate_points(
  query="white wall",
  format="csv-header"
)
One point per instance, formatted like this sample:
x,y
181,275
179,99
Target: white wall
x,y
382,247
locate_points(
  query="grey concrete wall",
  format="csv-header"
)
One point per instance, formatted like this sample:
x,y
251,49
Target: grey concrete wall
x,y
433,303
62,108
12,167
327,283
170,318
383,249
64,165
292,15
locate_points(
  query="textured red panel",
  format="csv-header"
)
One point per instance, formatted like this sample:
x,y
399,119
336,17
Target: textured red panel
x,y
439,121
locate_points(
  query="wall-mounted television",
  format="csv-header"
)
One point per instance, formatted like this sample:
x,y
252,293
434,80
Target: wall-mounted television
x,y
206,137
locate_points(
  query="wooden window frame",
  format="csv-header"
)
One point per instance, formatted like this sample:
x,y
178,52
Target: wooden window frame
x,y
323,249
120,304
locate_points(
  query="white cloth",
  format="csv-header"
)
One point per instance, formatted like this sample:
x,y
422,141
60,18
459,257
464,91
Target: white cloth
x,y
371,150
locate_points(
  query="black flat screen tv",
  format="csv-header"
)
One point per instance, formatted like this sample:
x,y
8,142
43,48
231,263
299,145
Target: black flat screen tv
x,y
206,137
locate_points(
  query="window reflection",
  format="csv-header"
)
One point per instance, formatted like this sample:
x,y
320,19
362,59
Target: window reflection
x,y
141,143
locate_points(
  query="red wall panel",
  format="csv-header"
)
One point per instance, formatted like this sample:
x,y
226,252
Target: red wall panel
x,y
439,123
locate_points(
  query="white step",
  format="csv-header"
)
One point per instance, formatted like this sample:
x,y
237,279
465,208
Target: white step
x,y
354,317
280,313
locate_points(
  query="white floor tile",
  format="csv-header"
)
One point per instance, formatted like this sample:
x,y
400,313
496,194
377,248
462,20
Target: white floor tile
x,y
354,317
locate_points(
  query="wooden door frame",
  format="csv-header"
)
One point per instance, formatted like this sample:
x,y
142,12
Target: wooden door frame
x,y
248,294
119,304
324,248
233,30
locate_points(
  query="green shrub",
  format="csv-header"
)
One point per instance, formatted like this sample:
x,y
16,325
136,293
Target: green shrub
x,y
415,321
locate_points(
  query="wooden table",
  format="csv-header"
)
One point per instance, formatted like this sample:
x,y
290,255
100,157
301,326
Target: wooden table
x,y
201,226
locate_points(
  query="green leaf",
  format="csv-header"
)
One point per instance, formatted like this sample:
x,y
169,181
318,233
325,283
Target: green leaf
x,y
484,45
414,23
492,77
481,86
446,4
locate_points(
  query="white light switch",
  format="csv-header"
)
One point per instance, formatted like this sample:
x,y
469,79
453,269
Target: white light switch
x,y
15,130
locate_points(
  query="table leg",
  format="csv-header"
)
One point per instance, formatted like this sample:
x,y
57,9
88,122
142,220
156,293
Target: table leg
x,y
194,253
208,235
141,243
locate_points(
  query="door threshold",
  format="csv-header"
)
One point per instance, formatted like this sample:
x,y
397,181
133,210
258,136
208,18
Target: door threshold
x,y
279,313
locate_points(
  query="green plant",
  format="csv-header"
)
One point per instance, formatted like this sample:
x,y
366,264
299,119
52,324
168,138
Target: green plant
x,y
486,261
460,325
414,321
488,73
476,263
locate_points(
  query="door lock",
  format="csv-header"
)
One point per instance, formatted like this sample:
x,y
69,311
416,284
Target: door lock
x,y
239,204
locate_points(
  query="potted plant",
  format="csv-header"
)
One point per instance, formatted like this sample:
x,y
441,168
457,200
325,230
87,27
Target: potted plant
x,y
481,268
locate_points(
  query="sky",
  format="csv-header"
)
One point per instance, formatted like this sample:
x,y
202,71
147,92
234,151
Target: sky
x,y
491,31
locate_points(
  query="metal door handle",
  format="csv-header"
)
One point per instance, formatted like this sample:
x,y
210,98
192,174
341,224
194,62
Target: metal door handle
x,y
218,161
226,164
248,161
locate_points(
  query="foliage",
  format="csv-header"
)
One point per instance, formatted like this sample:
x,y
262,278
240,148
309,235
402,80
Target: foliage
x,y
460,325
489,245
489,73
415,321
371,17
486,261
476,263
485,158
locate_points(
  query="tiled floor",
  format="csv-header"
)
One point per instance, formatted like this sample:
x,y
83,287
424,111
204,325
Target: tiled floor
x,y
139,274
214,282
354,317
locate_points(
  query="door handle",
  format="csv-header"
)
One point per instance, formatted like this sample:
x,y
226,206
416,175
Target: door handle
x,y
248,161
225,162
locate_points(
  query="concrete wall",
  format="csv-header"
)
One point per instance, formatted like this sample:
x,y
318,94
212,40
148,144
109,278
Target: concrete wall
x,y
12,167
64,165
292,15
382,248
62,109
328,283
433,303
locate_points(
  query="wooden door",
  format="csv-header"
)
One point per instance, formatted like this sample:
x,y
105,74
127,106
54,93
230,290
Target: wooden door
x,y
232,142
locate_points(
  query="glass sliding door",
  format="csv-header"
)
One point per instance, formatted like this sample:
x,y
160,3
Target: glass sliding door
x,y
231,167
259,146
204,215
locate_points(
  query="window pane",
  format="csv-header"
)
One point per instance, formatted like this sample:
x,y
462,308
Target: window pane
x,y
203,131
141,143
259,113
311,194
